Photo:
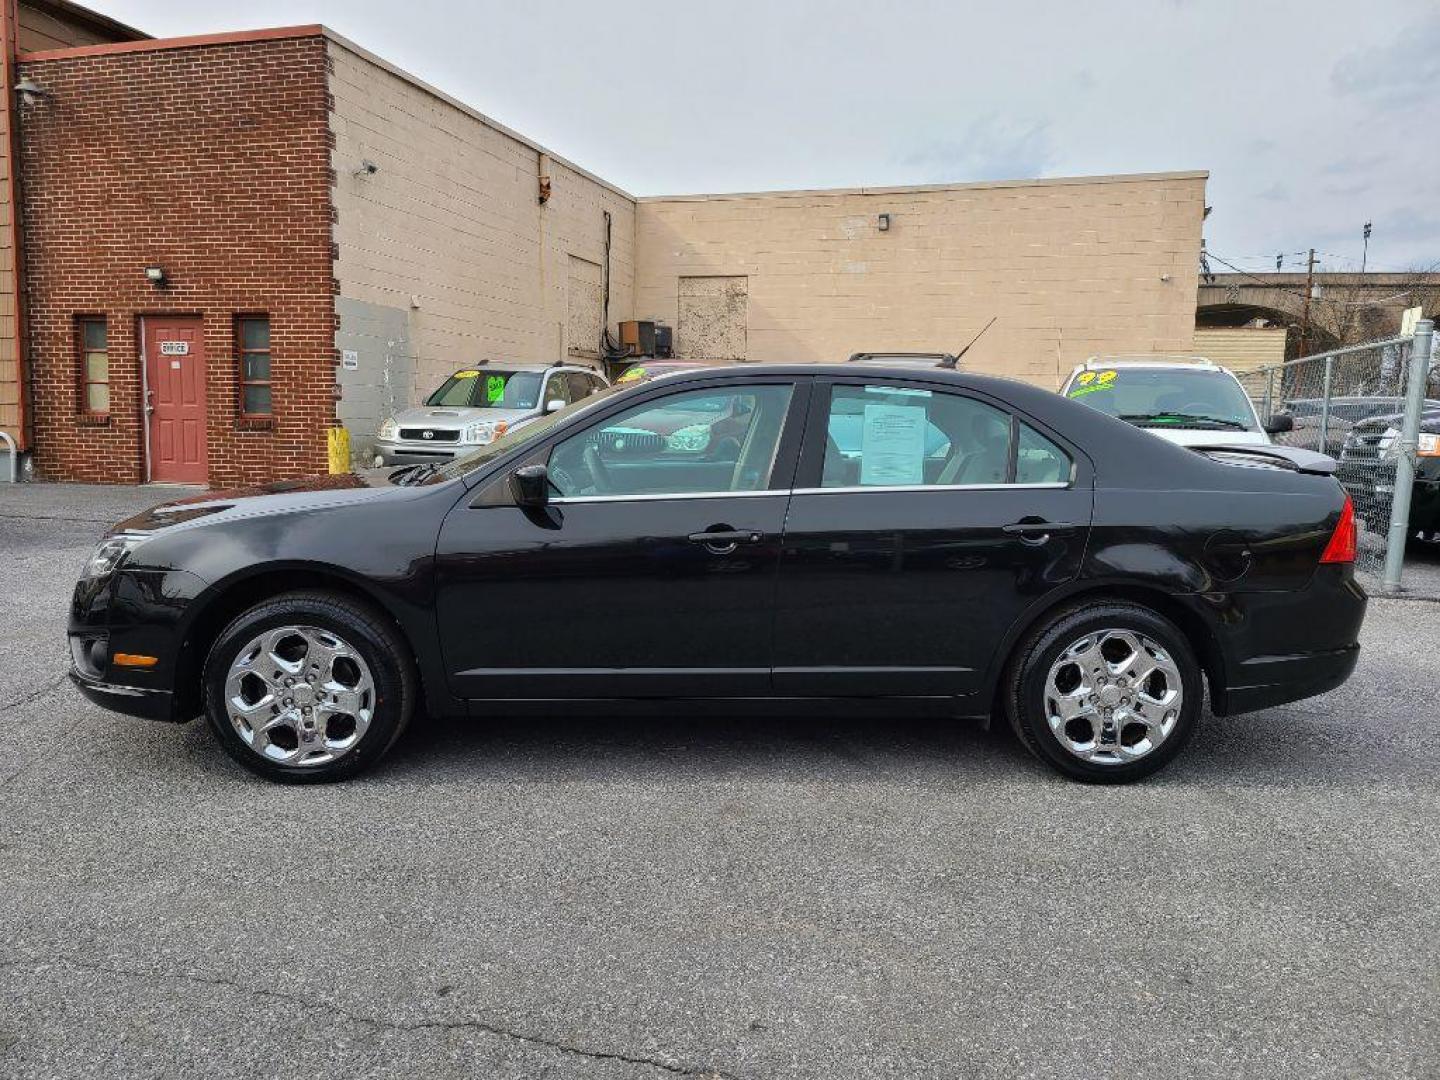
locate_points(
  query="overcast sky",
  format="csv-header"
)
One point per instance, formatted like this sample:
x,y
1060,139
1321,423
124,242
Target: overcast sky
x,y
1312,117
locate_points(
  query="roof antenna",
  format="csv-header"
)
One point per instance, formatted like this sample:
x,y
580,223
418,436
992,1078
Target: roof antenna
x,y
953,362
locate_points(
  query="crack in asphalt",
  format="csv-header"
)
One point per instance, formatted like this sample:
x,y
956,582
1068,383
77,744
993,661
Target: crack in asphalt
x,y
36,694
59,517
484,1026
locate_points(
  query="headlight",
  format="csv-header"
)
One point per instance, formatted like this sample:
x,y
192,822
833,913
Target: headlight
x,y
691,439
484,431
390,429
108,555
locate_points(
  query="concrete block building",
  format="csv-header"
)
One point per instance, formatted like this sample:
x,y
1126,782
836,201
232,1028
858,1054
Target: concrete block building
x,y
215,249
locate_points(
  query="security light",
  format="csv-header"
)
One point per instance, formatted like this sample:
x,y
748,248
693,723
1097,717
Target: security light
x,y
156,276
884,222
30,91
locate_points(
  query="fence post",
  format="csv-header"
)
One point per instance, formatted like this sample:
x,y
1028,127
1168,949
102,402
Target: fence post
x,y
1269,382
1404,450
1325,406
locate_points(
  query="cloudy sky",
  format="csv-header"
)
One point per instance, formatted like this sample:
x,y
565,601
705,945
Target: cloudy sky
x,y
1312,116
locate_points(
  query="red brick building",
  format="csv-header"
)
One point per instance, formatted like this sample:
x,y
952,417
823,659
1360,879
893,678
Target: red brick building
x,y
228,245
207,167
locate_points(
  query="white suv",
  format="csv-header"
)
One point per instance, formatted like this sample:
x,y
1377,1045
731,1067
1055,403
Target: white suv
x,y
1192,401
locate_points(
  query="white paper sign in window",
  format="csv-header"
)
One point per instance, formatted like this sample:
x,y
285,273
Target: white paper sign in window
x,y
892,449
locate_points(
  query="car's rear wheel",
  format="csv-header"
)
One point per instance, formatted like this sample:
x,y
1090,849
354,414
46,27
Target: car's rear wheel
x,y
1107,693
308,687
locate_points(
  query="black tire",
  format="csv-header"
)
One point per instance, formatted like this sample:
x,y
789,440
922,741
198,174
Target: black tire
x,y
368,632
1024,690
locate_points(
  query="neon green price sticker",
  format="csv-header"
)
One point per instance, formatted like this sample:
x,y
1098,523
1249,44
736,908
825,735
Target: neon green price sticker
x,y
1089,382
494,388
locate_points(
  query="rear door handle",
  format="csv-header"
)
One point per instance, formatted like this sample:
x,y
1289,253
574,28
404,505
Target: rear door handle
x,y
724,541
1024,527
1036,533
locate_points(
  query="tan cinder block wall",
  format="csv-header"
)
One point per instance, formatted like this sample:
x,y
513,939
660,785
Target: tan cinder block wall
x,y
1073,268
1241,348
449,229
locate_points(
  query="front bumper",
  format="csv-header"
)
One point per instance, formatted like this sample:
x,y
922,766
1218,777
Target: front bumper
x,y
411,452
146,703
138,612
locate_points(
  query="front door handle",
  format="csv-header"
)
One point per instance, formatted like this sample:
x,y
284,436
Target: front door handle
x,y
1036,533
723,541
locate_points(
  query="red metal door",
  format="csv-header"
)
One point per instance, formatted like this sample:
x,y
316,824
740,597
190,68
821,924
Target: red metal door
x,y
175,397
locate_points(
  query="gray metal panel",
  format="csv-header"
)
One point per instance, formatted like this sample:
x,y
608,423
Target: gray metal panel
x,y
383,379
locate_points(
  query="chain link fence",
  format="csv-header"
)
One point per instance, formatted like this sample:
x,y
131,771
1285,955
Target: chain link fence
x,y
1350,404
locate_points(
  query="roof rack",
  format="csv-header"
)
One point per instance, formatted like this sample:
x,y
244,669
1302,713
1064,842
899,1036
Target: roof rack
x,y
1153,358
941,359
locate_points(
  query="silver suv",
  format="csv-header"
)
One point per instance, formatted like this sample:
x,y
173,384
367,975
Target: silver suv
x,y
476,406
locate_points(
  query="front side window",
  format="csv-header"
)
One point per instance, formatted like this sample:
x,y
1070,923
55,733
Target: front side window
x,y
489,388
557,388
93,339
1174,397
713,440
252,333
899,436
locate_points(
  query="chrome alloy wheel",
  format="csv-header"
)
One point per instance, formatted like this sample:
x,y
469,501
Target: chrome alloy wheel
x,y
299,695
1113,696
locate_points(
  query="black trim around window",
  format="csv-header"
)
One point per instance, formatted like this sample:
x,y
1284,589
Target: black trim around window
x,y
812,464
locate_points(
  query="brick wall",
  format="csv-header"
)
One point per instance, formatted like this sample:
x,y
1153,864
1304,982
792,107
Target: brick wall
x,y
212,161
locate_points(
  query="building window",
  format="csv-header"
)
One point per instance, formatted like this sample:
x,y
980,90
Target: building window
x,y
92,342
252,333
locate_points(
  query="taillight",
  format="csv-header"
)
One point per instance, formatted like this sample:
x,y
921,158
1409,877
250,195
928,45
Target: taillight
x,y
1341,548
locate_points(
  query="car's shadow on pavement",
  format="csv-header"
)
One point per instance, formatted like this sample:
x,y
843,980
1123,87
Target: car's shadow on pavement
x,y
1285,747
587,749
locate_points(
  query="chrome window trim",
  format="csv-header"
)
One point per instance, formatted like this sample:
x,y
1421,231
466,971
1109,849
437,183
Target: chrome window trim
x,y
561,500
564,499
1053,486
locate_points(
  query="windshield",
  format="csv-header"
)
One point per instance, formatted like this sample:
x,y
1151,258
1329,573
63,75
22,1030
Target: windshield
x,y
488,388
1166,397
517,436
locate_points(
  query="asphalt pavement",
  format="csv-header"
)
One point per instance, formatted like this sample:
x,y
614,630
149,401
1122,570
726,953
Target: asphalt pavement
x,y
742,898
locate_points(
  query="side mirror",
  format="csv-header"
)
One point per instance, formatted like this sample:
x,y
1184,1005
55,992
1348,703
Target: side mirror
x,y
1279,423
554,405
530,486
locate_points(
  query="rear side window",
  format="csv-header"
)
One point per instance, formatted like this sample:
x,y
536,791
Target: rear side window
x,y
1038,460
899,436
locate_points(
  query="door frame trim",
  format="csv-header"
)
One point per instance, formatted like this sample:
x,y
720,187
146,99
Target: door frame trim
x,y
144,396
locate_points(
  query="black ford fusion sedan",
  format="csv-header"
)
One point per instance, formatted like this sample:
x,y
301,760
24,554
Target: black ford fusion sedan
x,y
789,538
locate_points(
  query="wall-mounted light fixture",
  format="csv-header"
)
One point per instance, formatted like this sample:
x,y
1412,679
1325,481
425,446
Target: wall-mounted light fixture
x,y
884,222
367,168
156,276
30,91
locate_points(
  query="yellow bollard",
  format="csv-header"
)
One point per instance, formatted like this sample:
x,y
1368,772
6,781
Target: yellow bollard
x,y
339,442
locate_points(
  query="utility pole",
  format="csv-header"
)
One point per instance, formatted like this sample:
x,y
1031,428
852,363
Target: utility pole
x,y
1305,315
1365,251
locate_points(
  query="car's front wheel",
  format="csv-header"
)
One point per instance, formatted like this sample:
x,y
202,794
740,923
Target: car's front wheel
x,y
1107,693
308,687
